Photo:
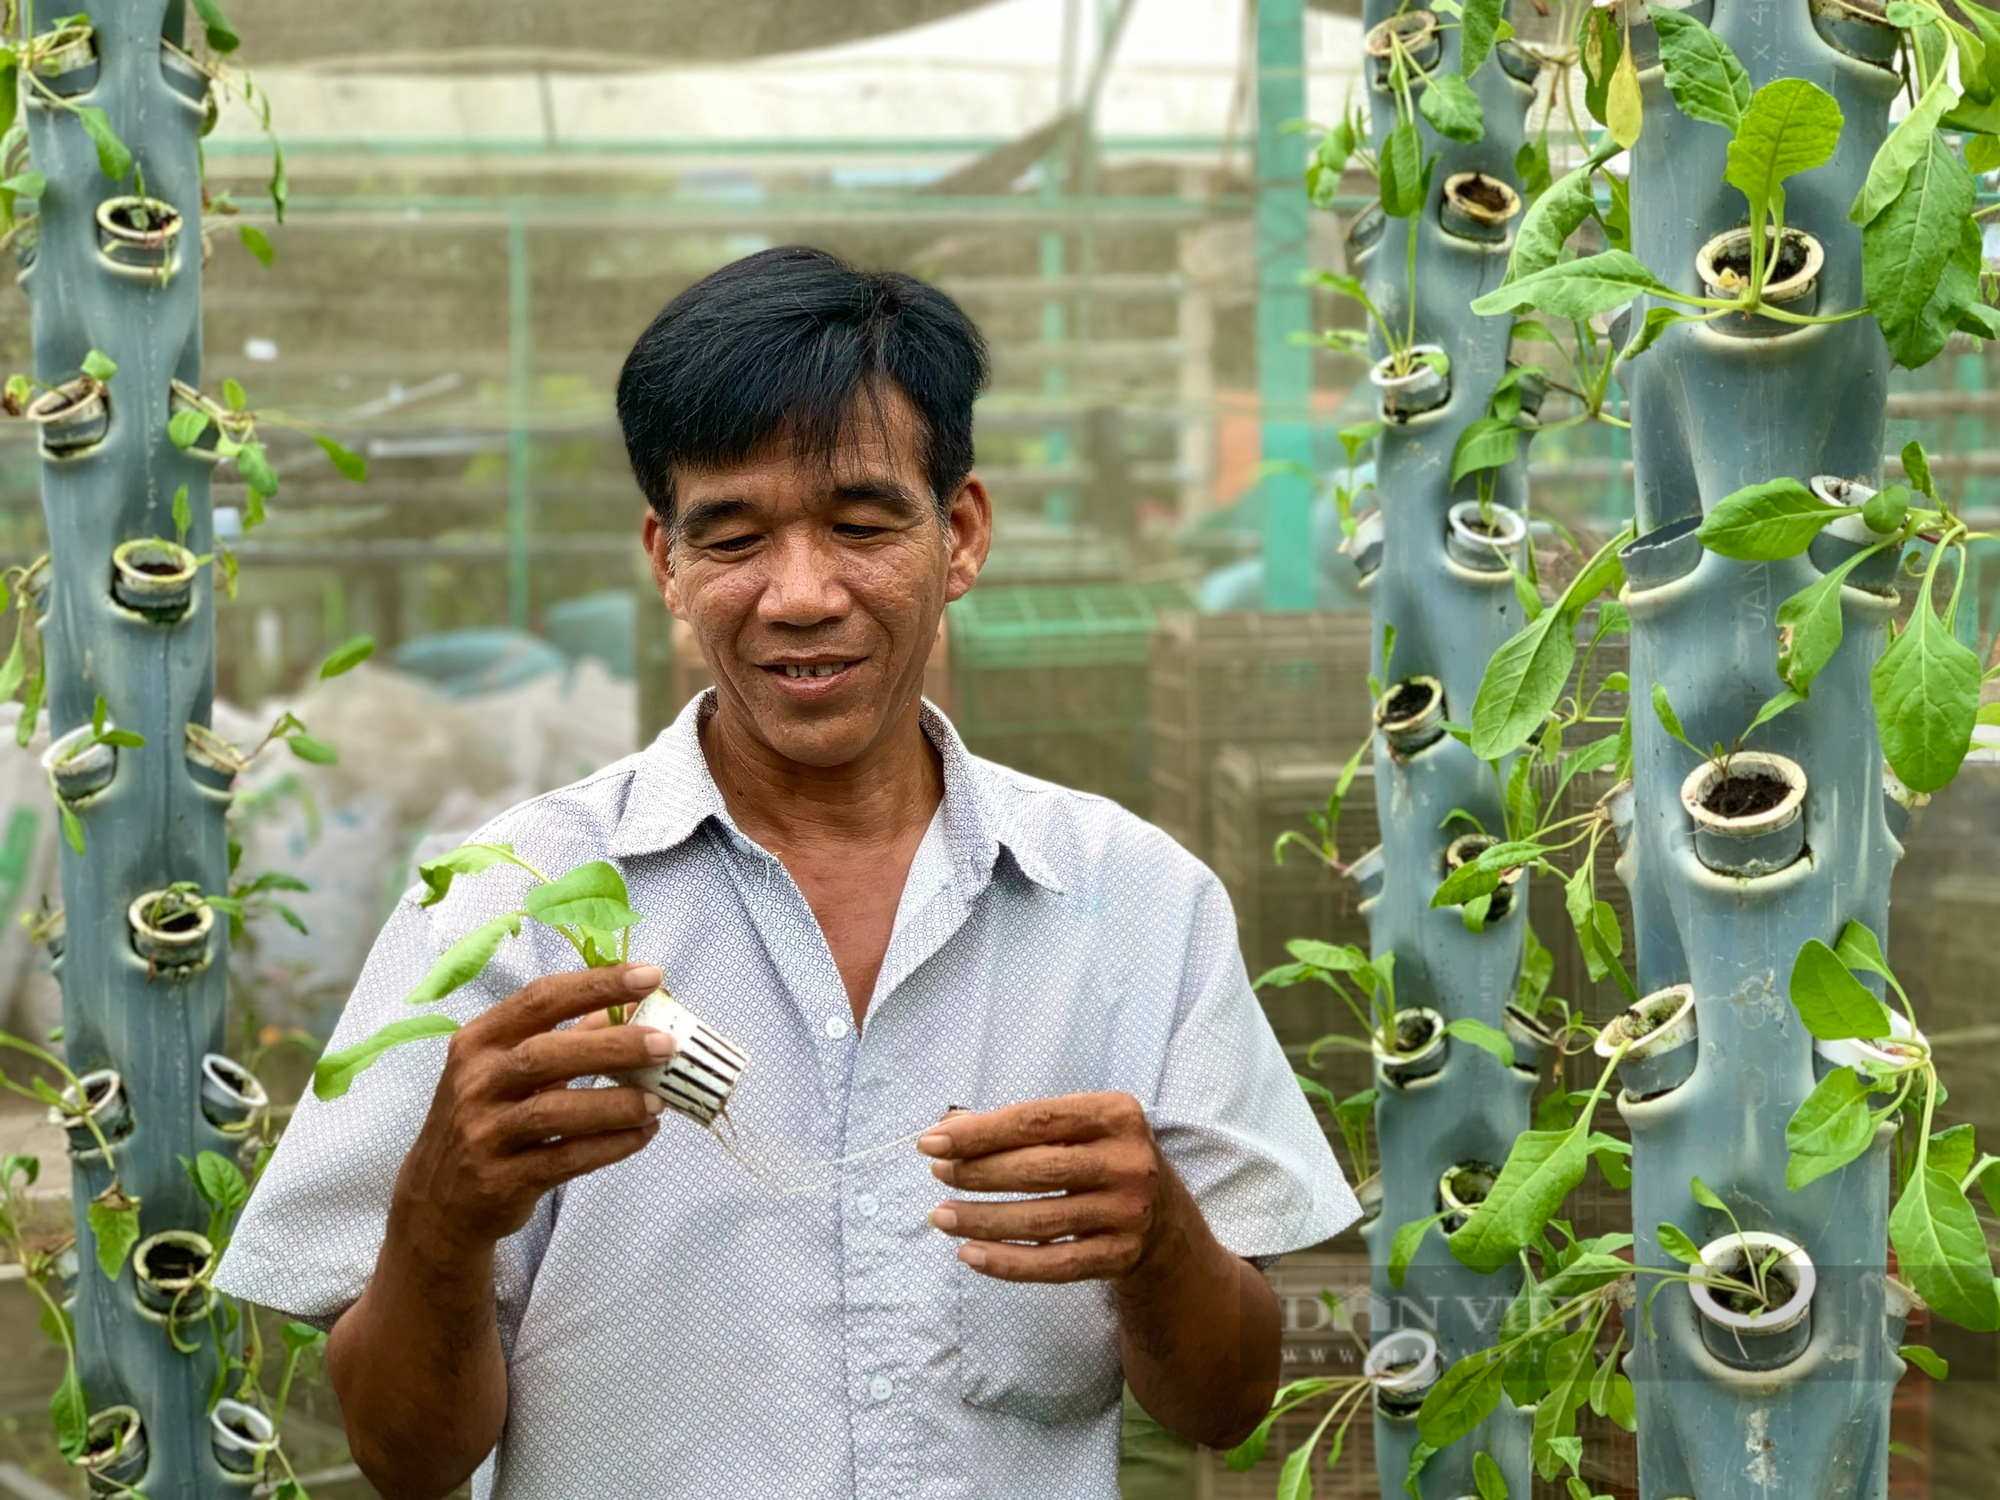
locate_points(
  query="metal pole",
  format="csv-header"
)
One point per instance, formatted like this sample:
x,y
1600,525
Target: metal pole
x,y
520,392
1284,309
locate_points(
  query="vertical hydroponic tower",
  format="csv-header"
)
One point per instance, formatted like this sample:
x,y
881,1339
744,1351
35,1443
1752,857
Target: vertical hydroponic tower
x,y
1444,586
1714,408
118,269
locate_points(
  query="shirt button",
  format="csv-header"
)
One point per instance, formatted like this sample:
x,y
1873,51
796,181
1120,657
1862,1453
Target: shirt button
x,y
866,1205
836,1027
881,1387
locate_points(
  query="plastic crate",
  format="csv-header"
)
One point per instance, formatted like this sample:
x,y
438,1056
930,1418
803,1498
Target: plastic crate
x,y
1053,681
1249,679
1260,792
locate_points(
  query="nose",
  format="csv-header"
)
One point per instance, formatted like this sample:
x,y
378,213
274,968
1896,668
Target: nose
x,y
803,587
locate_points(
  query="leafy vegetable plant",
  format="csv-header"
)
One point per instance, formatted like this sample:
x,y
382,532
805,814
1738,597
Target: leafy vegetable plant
x,y
588,906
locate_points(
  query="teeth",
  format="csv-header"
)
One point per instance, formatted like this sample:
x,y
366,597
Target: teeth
x,y
819,669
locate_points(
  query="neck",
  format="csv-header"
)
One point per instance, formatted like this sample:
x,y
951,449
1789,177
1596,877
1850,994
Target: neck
x,y
884,795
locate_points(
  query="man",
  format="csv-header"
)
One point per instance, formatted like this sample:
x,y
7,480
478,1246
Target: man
x,y
539,1278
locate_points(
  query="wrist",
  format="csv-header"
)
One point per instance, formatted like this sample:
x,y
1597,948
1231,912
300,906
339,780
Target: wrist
x,y
1174,1241
438,1244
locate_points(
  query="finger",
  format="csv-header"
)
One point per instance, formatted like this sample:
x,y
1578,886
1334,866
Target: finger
x,y
1072,1117
1032,1169
559,1162
1034,1219
565,1113
1094,1258
555,998
554,1057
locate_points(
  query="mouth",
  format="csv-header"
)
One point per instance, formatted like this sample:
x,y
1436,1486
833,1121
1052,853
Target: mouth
x,y
811,676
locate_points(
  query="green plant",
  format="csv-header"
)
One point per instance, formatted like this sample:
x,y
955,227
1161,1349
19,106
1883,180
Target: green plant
x,y
588,906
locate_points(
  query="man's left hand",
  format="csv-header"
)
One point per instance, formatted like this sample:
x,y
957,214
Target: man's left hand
x,y
1096,1151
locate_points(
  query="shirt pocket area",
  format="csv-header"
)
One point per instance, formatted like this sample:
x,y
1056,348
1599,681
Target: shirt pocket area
x,y
1043,1352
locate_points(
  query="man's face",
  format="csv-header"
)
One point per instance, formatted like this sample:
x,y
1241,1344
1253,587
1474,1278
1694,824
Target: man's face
x,y
815,589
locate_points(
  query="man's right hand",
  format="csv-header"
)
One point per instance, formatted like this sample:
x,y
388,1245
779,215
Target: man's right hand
x,y
505,1127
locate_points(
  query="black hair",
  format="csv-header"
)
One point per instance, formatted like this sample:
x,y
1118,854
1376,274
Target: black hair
x,y
792,339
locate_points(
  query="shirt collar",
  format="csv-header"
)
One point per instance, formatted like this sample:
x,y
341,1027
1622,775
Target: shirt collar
x,y
673,794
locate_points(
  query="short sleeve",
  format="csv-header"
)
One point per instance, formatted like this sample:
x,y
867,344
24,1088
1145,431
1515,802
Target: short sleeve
x,y
308,1239
1229,1113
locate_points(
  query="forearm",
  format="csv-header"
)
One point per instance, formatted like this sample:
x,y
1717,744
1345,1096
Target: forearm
x,y
1198,1329
418,1368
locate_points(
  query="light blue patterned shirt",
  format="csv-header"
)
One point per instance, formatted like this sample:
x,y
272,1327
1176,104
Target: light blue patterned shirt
x,y
675,1328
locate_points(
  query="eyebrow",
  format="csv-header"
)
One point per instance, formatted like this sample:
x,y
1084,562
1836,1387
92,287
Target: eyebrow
x,y
887,493
713,512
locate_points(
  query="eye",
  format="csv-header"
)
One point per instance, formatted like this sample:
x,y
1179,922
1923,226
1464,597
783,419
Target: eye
x,y
731,544
854,531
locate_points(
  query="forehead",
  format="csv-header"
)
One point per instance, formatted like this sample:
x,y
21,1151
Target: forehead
x,y
879,437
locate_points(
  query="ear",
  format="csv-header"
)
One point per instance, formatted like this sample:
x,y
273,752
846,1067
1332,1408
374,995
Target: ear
x,y
659,545
969,529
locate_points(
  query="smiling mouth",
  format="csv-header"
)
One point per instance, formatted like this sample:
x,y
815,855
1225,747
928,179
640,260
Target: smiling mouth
x,y
795,669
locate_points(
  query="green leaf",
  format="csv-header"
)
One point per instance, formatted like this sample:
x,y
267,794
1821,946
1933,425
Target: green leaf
x,y
1488,443
234,394
99,366
255,467
313,752
301,1337
72,827
1951,1151
257,243
220,1181
1918,467
1941,1251
1521,685
184,428
1343,958
335,1073
1464,1396
1404,177
1908,143
1295,1475
1487,1476
1575,289
1886,509
25,185
348,655
114,160
1785,698
1764,522
1810,627
1663,710
1856,947
1790,127
1834,1004
1702,74
1404,1247
465,960
1926,688
1926,1359
1486,1038
1448,102
1479,23
591,895
352,465
1541,1171
1907,249
1831,1127
220,36
466,859
114,1225
70,1412
1658,321
183,514
1677,1244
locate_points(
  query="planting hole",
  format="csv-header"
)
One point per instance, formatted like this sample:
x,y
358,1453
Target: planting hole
x,y
1745,796
1414,1031
1406,700
1781,1284
173,1263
